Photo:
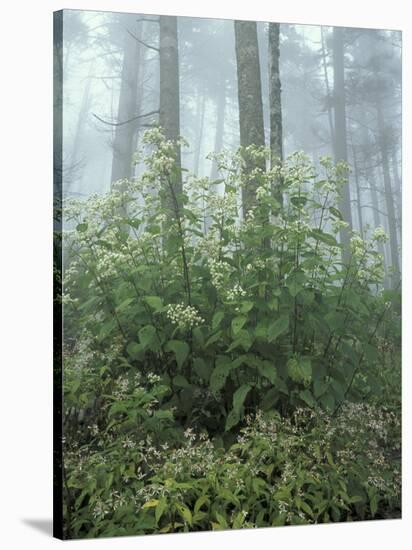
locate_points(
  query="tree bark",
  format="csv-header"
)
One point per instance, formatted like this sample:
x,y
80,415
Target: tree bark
x,y
169,100
200,118
220,124
328,93
275,103
340,145
390,206
250,102
123,142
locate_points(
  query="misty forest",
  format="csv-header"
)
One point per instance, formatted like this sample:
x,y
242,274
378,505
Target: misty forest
x,y
230,273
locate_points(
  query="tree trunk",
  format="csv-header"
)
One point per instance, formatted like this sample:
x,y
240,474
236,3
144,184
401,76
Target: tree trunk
x,y
358,190
390,207
398,196
275,104
341,153
220,124
328,93
200,118
250,101
123,143
76,161
169,100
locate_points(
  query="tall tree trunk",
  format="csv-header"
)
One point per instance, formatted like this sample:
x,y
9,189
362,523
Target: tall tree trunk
x,y
220,124
358,190
398,195
250,101
328,93
169,100
200,118
275,104
390,207
123,143
76,159
341,153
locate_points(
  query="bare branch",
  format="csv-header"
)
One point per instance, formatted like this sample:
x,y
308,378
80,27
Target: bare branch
x,y
125,121
143,43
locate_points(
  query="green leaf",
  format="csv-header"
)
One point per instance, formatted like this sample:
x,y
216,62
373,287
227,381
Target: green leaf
x,y
147,335
202,369
238,323
222,520
160,508
326,238
219,375
239,397
319,387
299,200
328,401
267,370
244,340
180,349
217,319
270,399
307,397
246,307
277,328
82,227
335,212
200,502
239,520
124,305
227,495
300,370
295,283
184,512
151,503
214,338
180,381
232,419
154,302
134,349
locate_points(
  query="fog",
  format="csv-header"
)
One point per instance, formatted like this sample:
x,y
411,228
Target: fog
x,y
95,49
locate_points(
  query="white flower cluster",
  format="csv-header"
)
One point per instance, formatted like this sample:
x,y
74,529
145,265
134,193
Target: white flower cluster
x,y
235,293
263,192
337,225
153,378
209,245
379,235
218,272
122,388
184,316
225,204
257,265
357,245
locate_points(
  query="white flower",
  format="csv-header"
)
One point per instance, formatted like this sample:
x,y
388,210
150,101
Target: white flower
x,y
184,316
379,235
236,292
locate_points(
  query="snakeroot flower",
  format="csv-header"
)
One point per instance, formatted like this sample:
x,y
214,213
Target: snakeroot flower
x,y
236,292
379,235
184,316
218,272
357,245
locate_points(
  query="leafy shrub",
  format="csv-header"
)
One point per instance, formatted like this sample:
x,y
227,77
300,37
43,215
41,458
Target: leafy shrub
x,y
311,468
228,321
181,313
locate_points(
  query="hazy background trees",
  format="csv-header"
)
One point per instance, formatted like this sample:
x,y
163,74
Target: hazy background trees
x,y
323,90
